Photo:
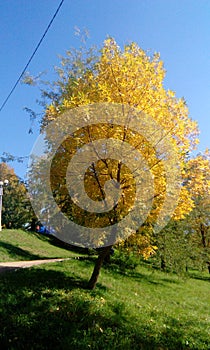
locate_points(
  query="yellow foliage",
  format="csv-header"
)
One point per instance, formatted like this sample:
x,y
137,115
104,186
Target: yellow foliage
x,y
198,175
130,77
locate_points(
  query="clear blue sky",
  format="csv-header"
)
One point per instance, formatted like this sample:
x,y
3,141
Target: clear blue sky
x,y
178,29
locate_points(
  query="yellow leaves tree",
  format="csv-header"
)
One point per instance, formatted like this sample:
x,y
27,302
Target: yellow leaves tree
x,y
128,77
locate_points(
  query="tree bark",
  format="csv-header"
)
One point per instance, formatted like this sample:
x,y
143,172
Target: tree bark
x,y
96,271
163,264
203,235
203,238
33,225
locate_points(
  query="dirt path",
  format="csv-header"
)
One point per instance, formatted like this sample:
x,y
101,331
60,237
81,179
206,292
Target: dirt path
x,y
14,265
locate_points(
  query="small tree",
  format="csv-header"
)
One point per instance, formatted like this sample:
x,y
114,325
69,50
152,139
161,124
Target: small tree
x,y
199,218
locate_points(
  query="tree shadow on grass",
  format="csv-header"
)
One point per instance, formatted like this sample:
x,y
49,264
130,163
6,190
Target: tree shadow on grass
x,y
56,242
53,240
139,276
47,309
19,253
200,277
34,308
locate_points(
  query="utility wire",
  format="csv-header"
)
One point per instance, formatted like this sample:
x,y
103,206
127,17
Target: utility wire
x,y
33,54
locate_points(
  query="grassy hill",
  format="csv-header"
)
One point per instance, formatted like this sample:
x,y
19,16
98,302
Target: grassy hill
x,y
48,306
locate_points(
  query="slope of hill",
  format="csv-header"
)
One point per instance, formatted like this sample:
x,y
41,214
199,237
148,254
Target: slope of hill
x,y
48,306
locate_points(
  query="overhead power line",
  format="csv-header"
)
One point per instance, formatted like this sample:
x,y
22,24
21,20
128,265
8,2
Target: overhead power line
x,y
33,54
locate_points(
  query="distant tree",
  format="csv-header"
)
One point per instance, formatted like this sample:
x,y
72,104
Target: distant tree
x,y
199,219
174,251
186,243
16,208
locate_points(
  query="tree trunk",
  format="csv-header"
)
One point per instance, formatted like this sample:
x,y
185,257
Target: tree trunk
x,y
163,264
203,238
203,235
99,262
33,225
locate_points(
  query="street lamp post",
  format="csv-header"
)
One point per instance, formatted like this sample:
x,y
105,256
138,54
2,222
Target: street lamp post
x,y
2,184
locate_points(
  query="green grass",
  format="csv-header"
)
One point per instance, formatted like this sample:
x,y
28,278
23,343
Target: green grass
x,y
49,307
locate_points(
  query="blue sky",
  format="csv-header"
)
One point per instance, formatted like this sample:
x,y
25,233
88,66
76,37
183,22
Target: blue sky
x,y
178,29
